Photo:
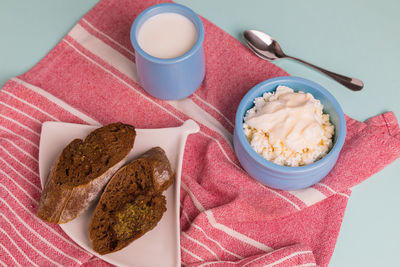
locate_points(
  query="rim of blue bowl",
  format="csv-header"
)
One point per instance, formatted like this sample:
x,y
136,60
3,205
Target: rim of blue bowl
x,y
255,92
195,47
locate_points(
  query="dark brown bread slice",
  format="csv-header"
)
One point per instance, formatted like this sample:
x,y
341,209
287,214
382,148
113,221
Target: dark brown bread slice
x,y
82,170
132,203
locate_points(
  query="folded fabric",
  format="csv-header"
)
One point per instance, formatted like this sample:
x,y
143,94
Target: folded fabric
x,y
227,218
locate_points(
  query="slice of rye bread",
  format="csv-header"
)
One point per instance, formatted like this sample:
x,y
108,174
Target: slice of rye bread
x,y
82,170
132,203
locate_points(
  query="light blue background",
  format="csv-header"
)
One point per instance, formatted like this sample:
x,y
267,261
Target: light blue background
x,y
360,38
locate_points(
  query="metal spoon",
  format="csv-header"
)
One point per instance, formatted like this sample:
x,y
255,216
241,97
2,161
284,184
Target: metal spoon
x,y
267,48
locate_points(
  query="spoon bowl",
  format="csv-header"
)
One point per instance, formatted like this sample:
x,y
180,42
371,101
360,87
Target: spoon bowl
x,y
263,45
266,47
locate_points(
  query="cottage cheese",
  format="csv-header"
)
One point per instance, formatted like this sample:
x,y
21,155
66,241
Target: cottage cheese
x,y
288,128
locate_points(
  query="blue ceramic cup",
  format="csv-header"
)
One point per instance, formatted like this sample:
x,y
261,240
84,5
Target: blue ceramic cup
x,y
171,78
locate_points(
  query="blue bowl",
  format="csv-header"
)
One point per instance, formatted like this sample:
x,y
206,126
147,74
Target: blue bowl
x,y
284,177
171,78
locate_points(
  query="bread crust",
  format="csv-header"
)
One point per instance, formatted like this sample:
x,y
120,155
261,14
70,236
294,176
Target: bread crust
x,y
69,202
61,203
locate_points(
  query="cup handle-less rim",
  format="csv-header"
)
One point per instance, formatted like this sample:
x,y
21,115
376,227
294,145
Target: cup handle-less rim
x,y
163,8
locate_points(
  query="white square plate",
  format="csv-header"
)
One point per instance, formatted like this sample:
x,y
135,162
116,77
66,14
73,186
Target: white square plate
x,y
158,247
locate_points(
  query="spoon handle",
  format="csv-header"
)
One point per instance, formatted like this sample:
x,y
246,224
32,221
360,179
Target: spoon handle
x,y
351,83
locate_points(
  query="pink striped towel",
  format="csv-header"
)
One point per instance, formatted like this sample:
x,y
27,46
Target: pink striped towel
x,y
227,218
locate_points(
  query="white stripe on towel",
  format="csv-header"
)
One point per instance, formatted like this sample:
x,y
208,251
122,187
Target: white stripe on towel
x,y
223,228
57,101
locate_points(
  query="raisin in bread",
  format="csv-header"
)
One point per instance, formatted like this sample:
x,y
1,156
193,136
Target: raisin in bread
x,y
132,203
82,170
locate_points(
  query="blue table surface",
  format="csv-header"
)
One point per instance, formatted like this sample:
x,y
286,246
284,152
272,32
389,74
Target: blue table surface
x,y
356,38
